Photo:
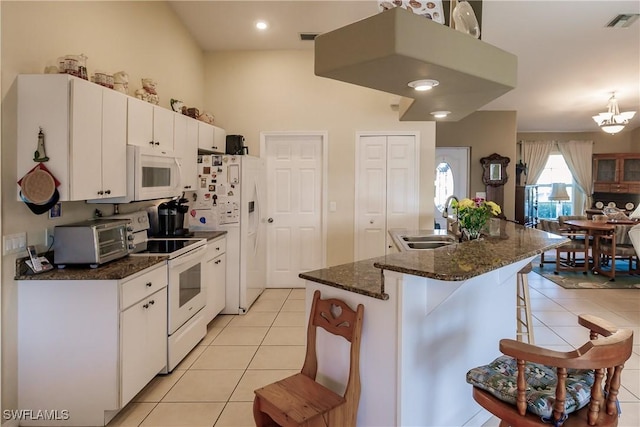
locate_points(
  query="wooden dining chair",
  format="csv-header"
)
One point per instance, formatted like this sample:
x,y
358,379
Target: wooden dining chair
x,y
578,244
534,386
613,246
301,401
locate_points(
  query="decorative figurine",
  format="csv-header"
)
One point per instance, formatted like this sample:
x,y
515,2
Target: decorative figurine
x,y
206,117
176,105
148,92
40,154
191,112
121,82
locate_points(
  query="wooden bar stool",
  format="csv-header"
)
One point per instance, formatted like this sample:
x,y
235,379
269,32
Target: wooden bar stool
x,y
524,325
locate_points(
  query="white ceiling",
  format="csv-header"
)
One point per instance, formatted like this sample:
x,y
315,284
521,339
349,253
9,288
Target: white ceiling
x,y
568,62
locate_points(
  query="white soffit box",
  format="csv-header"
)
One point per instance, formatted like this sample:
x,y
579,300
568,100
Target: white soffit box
x,y
388,50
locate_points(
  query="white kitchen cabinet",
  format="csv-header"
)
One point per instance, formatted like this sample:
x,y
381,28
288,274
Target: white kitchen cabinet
x,y
84,127
211,139
216,277
88,346
186,147
144,343
149,125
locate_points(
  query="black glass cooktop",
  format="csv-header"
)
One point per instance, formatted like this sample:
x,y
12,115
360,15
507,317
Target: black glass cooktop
x,y
162,246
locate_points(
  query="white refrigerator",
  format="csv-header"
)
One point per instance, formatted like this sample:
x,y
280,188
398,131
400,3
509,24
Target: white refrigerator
x,y
230,197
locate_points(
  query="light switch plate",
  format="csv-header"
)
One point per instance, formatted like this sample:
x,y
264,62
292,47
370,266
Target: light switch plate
x,y
14,243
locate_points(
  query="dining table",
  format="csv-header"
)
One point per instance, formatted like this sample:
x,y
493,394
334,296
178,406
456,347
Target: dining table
x,y
594,230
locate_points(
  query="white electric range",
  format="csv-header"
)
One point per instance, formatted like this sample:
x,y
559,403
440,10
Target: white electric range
x,y
186,324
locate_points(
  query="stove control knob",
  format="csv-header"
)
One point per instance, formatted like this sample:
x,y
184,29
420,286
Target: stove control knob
x,y
130,237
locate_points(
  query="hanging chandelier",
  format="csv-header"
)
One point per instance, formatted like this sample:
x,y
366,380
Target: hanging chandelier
x,y
613,121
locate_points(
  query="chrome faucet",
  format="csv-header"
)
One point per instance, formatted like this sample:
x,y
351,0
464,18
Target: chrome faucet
x,y
445,212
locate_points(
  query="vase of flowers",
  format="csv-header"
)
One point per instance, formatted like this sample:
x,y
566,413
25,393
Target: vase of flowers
x,y
473,215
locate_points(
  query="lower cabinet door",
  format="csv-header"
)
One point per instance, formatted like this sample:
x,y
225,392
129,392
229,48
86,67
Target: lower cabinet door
x,y
143,343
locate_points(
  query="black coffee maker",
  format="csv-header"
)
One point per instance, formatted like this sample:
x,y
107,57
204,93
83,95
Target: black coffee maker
x,y
171,218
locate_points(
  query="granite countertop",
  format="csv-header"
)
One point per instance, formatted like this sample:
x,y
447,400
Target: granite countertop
x,y
209,235
459,261
113,270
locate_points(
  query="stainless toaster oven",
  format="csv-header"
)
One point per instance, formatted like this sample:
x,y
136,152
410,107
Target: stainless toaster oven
x,y
92,242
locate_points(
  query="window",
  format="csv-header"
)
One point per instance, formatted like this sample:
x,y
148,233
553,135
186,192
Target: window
x,y
556,170
444,185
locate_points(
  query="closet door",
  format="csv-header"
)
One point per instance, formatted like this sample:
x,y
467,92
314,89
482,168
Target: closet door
x,y
371,197
386,191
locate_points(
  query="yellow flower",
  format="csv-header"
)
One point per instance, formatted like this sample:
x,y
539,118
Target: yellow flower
x,y
466,203
495,209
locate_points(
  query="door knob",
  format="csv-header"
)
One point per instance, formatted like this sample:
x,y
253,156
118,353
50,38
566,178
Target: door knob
x,y
270,220
370,221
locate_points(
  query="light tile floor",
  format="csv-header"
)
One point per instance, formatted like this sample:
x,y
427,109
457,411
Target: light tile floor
x,y
214,385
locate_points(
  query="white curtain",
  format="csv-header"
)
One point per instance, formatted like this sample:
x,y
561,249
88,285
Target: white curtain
x,y
535,155
578,155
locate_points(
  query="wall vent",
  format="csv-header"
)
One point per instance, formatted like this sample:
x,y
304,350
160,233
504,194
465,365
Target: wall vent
x,y
623,20
308,37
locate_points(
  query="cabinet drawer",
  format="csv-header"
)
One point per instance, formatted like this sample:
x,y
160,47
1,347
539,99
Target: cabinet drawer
x,y
634,188
217,247
599,187
135,289
619,188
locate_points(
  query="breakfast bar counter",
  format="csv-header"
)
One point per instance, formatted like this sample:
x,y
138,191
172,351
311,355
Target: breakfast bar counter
x,y
429,317
460,261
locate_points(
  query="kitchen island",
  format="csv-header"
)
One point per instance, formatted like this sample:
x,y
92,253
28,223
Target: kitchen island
x,y
430,316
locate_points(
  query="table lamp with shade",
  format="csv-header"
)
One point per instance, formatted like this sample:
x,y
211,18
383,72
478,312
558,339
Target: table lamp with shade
x,y
558,194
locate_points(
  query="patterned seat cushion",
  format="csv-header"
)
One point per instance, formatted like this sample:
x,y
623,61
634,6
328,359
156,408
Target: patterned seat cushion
x,y
500,379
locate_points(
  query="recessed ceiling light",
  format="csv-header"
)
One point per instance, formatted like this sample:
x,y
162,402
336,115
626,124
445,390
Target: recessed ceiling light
x,y
440,114
262,25
422,85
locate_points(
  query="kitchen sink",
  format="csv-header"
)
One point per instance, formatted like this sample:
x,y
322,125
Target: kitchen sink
x,y
432,238
426,241
428,245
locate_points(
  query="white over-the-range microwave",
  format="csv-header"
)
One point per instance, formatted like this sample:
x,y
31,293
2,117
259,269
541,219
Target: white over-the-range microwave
x,y
152,173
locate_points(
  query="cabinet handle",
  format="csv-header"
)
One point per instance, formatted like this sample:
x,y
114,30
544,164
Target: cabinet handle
x,y
152,302
151,142
100,193
157,142
215,147
107,192
217,248
218,262
149,284
145,306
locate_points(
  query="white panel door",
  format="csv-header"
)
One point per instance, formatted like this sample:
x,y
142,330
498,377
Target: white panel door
x,y
451,178
294,206
387,191
371,197
402,185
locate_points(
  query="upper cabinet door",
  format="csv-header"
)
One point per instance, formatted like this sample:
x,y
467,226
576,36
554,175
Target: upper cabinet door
x,y
205,136
186,148
163,128
140,123
114,143
85,145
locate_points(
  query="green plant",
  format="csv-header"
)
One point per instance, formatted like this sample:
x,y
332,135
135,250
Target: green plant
x,y
473,214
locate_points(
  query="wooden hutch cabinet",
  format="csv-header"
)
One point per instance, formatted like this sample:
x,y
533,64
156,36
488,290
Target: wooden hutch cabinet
x,y
616,173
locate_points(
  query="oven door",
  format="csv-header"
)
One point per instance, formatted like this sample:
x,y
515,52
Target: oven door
x,y
187,295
